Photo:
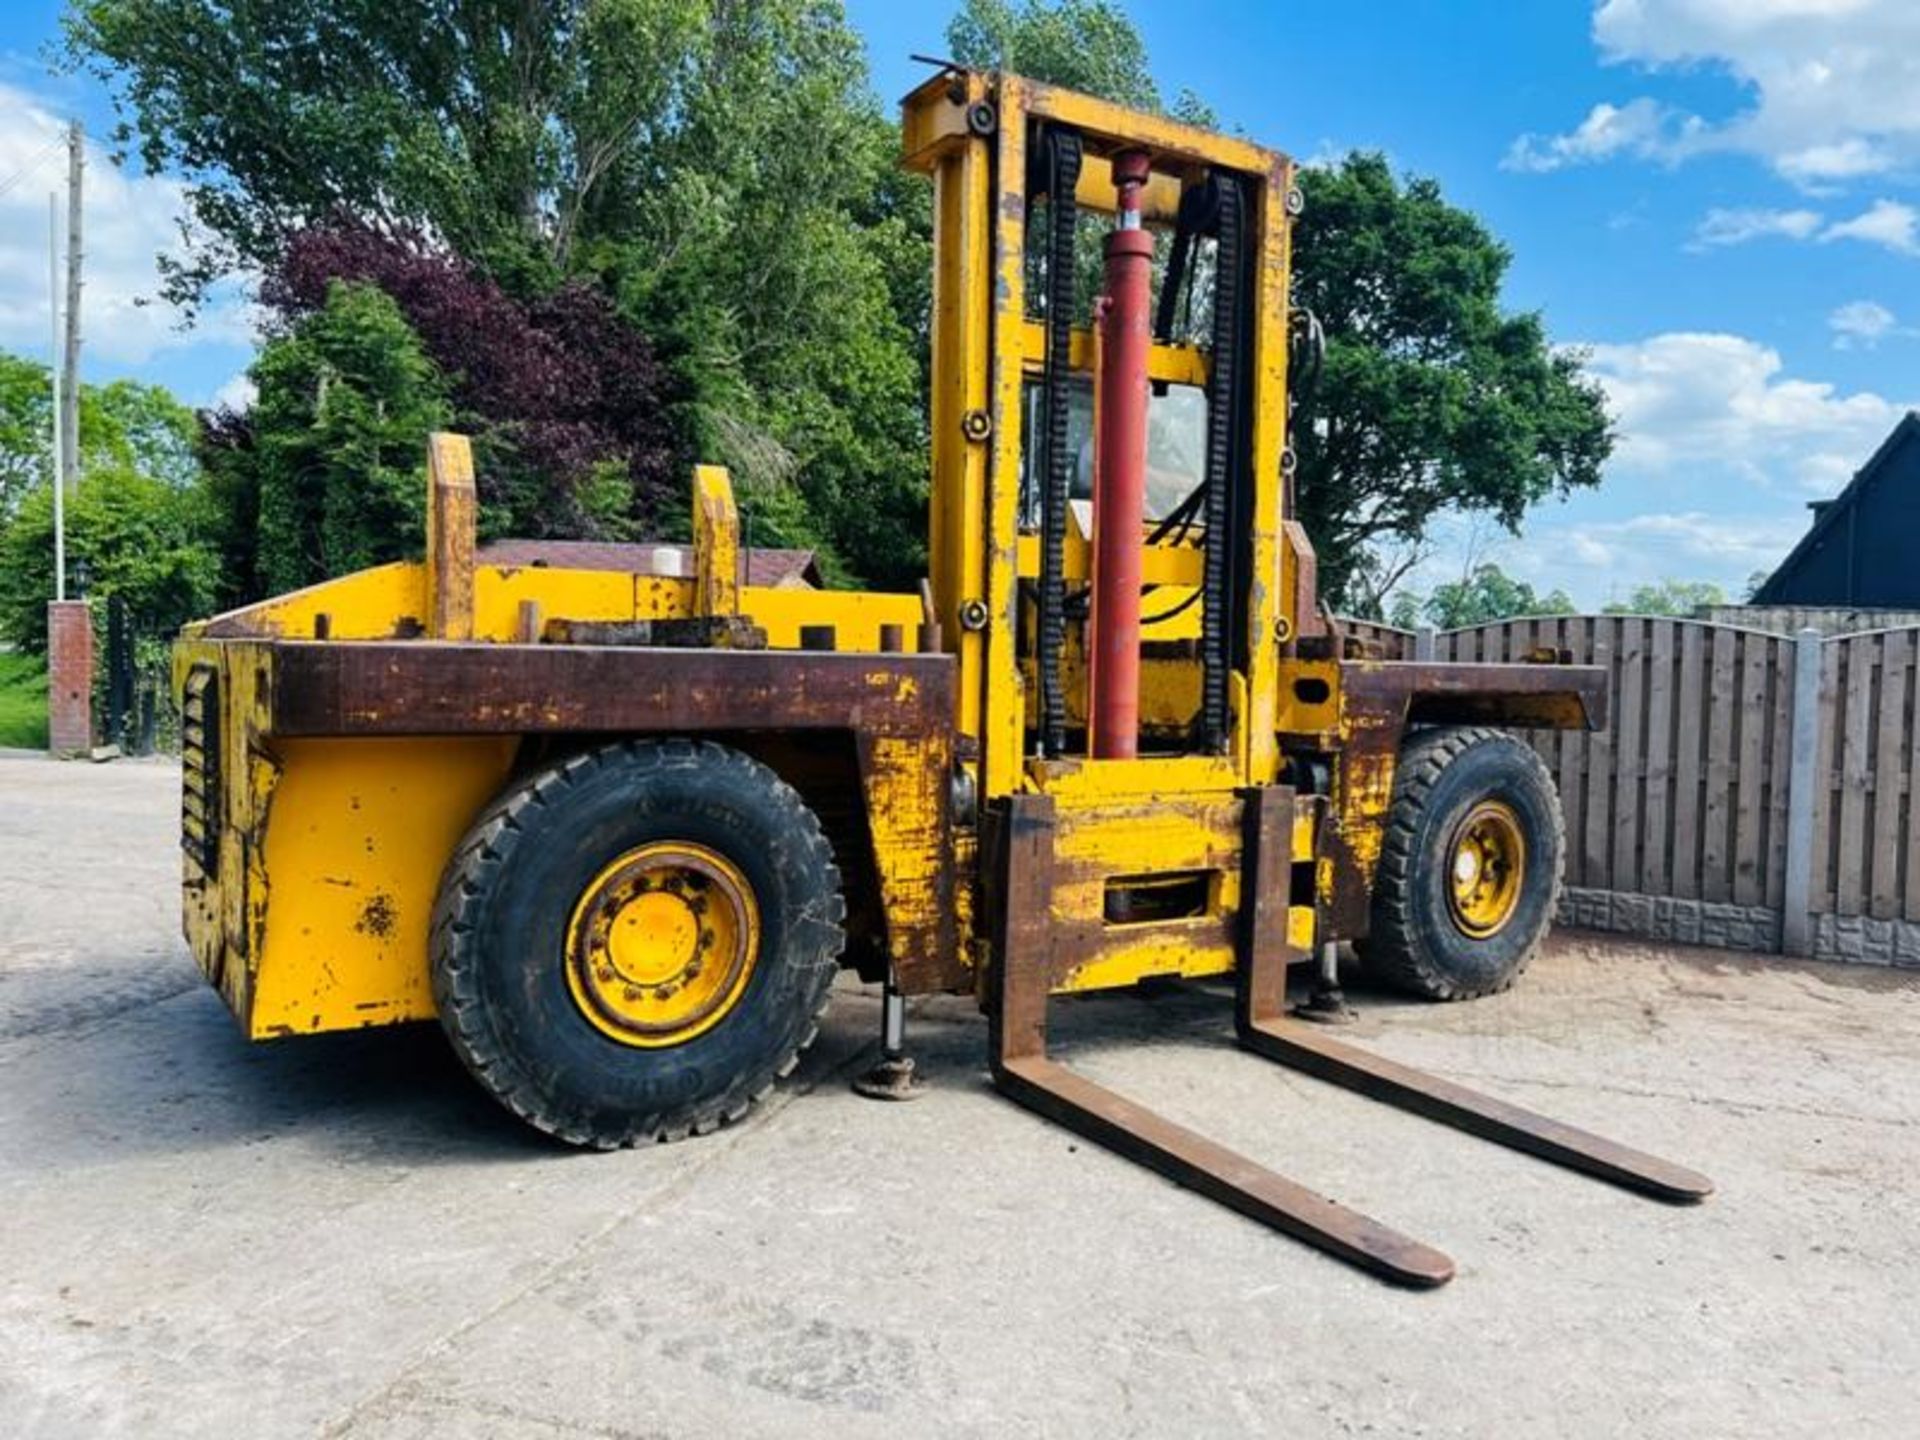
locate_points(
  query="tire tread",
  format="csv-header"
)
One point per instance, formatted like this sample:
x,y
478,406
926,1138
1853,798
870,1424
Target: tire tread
x,y
1393,951
489,848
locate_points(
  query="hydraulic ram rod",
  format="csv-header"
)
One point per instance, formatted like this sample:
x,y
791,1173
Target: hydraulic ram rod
x,y
1120,480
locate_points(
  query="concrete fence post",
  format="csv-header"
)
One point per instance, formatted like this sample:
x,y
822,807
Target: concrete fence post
x,y
1424,643
1796,921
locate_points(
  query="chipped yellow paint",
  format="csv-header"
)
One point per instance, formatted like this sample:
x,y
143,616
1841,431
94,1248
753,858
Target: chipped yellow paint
x,y
1367,795
1087,781
452,504
1107,830
1003,733
1189,949
1301,923
906,816
357,834
225,912
1174,364
366,605
1309,698
939,143
379,603
716,543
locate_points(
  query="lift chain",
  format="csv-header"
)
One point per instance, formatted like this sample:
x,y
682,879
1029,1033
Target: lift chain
x,y
1224,460
1062,160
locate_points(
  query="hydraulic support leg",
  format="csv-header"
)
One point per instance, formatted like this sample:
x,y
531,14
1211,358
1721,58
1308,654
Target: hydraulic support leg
x,y
893,1077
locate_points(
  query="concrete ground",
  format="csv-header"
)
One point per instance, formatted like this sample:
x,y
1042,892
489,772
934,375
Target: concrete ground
x,y
342,1237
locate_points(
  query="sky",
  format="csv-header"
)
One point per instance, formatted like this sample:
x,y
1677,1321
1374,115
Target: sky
x,y
1716,201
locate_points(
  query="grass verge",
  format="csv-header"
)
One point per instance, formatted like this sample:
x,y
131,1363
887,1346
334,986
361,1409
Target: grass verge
x,y
23,702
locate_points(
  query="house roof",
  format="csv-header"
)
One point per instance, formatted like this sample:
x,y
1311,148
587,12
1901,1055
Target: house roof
x,y
764,567
1830,514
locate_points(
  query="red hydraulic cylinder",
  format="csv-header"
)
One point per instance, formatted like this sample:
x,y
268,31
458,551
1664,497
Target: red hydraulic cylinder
x,y
1120,477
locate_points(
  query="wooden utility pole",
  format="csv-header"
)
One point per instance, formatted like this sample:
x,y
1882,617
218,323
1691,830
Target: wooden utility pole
x,y
56,412
70,366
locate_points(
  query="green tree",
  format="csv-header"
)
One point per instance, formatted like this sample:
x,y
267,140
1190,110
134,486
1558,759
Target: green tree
x,y
514,127
26,405
1432,397
347,398
1670,597
125,424
1488,593
142,427
792,288
1085,45
130,534
720,167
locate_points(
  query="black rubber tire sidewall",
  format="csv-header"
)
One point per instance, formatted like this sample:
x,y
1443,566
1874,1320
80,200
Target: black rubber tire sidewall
x,y
1426,951
519,1026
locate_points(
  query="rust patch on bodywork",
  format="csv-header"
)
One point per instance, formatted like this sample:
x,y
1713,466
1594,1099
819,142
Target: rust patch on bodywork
x,y
377,917
898,708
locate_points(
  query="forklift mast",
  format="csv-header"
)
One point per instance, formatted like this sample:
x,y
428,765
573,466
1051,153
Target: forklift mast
x,y
1021,172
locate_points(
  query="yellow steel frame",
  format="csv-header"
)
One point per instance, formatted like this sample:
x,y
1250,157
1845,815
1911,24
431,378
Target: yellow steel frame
x,y
984,348
314,915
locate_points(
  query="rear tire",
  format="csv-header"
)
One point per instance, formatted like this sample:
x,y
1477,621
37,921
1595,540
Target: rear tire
x,y
540,875
1452,920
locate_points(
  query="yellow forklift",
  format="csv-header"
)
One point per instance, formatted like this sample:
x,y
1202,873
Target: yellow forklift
x,y
619,828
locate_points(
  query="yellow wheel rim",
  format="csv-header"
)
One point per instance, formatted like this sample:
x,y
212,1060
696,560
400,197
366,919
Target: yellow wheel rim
x,y
1485,864
662,944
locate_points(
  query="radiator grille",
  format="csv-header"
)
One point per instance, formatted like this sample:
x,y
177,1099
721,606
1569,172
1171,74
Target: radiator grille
x,y
200,768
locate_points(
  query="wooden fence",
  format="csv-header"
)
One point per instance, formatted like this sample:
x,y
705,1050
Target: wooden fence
x,y
1752,789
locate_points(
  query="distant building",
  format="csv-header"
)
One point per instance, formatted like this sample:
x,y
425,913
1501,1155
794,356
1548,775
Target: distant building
x,y
1863,551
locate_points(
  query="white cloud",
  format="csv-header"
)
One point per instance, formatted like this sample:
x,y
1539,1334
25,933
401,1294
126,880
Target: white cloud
x,y
1597,560
1862,324
1832,87
238,393
1888,223
1737,227
129,220
1685,404
1719,449
1639,129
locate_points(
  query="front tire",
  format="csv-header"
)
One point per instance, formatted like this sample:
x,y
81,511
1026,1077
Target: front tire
x,y
1470,871
633,944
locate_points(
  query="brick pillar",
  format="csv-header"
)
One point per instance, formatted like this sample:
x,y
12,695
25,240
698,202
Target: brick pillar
x,y
69,677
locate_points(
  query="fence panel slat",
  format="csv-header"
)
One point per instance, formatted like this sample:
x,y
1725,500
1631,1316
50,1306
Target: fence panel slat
x,y
1573,762
1779,763
1749,883
1888,749
1656,868
1545,632
1715,825
1855,774
1826,809
1629,811
1597,834
1688,744
1910,908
